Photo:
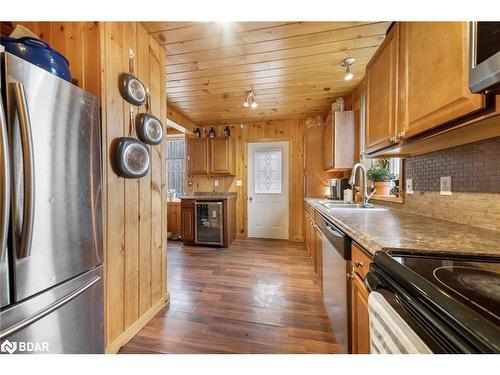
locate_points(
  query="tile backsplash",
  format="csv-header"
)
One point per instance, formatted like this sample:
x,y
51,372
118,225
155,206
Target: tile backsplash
x,y
475,178
474,168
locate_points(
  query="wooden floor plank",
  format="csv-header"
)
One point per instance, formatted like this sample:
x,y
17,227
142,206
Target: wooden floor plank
x,y
257,296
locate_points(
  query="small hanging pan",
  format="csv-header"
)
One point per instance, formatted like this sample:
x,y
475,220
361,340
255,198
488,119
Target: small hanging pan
x,y
149,128
131,89
131,156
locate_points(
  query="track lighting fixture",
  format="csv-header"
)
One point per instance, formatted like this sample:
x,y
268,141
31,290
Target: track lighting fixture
x,y
347,63
250,100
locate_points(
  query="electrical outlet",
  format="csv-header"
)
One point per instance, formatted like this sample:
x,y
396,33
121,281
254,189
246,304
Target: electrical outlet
x,y
409,186
239,183
446,185
216,183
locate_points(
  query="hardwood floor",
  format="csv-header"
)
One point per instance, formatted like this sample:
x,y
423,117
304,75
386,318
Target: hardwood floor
x,y
257,296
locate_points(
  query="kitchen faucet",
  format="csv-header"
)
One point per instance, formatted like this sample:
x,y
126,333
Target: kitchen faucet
x,y
352,181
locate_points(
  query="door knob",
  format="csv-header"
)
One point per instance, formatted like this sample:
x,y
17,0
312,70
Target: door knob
x,y
250,199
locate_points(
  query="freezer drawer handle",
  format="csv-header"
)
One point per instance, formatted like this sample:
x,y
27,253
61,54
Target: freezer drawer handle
x,y
49,309
28,170
5,164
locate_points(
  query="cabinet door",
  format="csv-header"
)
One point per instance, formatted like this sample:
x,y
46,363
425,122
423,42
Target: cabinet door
x,y
221,155
197,156
328,142
318,248
187,224
434,75
360,328
308,232
381,94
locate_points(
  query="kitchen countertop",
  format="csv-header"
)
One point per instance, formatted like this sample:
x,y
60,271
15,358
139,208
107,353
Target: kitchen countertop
x,y
391,229
210,196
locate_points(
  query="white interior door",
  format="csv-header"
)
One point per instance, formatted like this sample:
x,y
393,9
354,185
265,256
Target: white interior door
x,y
268,190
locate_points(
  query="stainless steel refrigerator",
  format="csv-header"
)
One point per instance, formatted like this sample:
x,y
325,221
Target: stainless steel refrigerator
x,y
51,289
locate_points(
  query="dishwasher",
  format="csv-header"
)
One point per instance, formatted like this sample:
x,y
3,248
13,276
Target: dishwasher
x,y
336,249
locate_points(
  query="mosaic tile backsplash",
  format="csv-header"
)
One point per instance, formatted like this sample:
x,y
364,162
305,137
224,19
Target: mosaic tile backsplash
x,y
474,168
475,174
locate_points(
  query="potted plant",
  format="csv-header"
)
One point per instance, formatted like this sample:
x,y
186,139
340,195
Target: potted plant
x,y
382,180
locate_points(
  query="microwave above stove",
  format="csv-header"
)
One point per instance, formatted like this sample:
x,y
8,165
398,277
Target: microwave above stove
x,y
484,54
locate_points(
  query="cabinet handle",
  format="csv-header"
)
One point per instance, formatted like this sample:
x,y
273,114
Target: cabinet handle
x,y
400,136
358,263
392,140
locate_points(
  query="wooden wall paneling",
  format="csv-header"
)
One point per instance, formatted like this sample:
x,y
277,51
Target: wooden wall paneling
x,y
286,130
113,121
91,60
131,202
157,205
145,244
164,183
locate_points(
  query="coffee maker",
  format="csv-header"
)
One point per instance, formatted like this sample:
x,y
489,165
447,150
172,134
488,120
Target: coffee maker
x,y
337,187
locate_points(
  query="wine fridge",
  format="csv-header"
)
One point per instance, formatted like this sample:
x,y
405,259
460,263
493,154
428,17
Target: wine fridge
x,y
209,224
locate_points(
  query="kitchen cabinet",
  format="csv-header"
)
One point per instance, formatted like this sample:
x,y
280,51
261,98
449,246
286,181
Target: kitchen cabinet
x,y
197,156
174,217
417,91
314,242
187,221
318,250
434,76
382,95
360,328
222,155
211,156
338,141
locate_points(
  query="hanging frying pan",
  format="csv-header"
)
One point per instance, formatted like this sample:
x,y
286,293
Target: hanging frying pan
x,y
149,128
131,156
131,89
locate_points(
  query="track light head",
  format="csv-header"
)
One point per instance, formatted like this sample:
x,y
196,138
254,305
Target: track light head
x,y
347,64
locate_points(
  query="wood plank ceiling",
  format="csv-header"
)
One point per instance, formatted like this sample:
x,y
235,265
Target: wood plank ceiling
x,y
293,67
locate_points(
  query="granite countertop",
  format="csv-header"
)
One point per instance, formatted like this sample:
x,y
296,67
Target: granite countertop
x,y
210,196
391,229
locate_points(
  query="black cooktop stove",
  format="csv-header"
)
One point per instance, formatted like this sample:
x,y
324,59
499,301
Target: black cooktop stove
x,y
474,283
454,302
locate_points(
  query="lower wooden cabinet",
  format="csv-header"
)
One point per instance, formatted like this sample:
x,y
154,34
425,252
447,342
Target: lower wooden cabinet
x,y
314,243
187,221
360,327
174,217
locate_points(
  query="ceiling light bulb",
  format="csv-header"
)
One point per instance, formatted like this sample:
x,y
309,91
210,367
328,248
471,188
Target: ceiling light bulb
x,y
245,104
254,105
347,63
348,75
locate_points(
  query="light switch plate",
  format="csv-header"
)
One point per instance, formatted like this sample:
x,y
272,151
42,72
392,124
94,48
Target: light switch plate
x,y
446,185
239,183
216,182
409,186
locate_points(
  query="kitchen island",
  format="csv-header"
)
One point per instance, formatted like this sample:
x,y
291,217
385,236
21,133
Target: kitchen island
x,y
189,217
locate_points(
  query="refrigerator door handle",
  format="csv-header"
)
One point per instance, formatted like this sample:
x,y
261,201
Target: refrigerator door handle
x,y
28,170
5,165
49,309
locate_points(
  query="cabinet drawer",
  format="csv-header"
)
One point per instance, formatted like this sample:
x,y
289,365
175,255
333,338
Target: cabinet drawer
x,y
360,261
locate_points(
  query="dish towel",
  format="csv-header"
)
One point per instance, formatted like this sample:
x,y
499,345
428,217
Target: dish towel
x,y
389,333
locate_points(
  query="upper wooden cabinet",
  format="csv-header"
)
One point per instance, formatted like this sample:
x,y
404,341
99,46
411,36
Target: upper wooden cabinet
x,y
338,141
197,155
416,83
222,155
381,94
433,76
211,156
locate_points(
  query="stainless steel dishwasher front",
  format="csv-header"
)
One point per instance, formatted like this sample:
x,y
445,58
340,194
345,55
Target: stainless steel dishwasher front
x,y
336,253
